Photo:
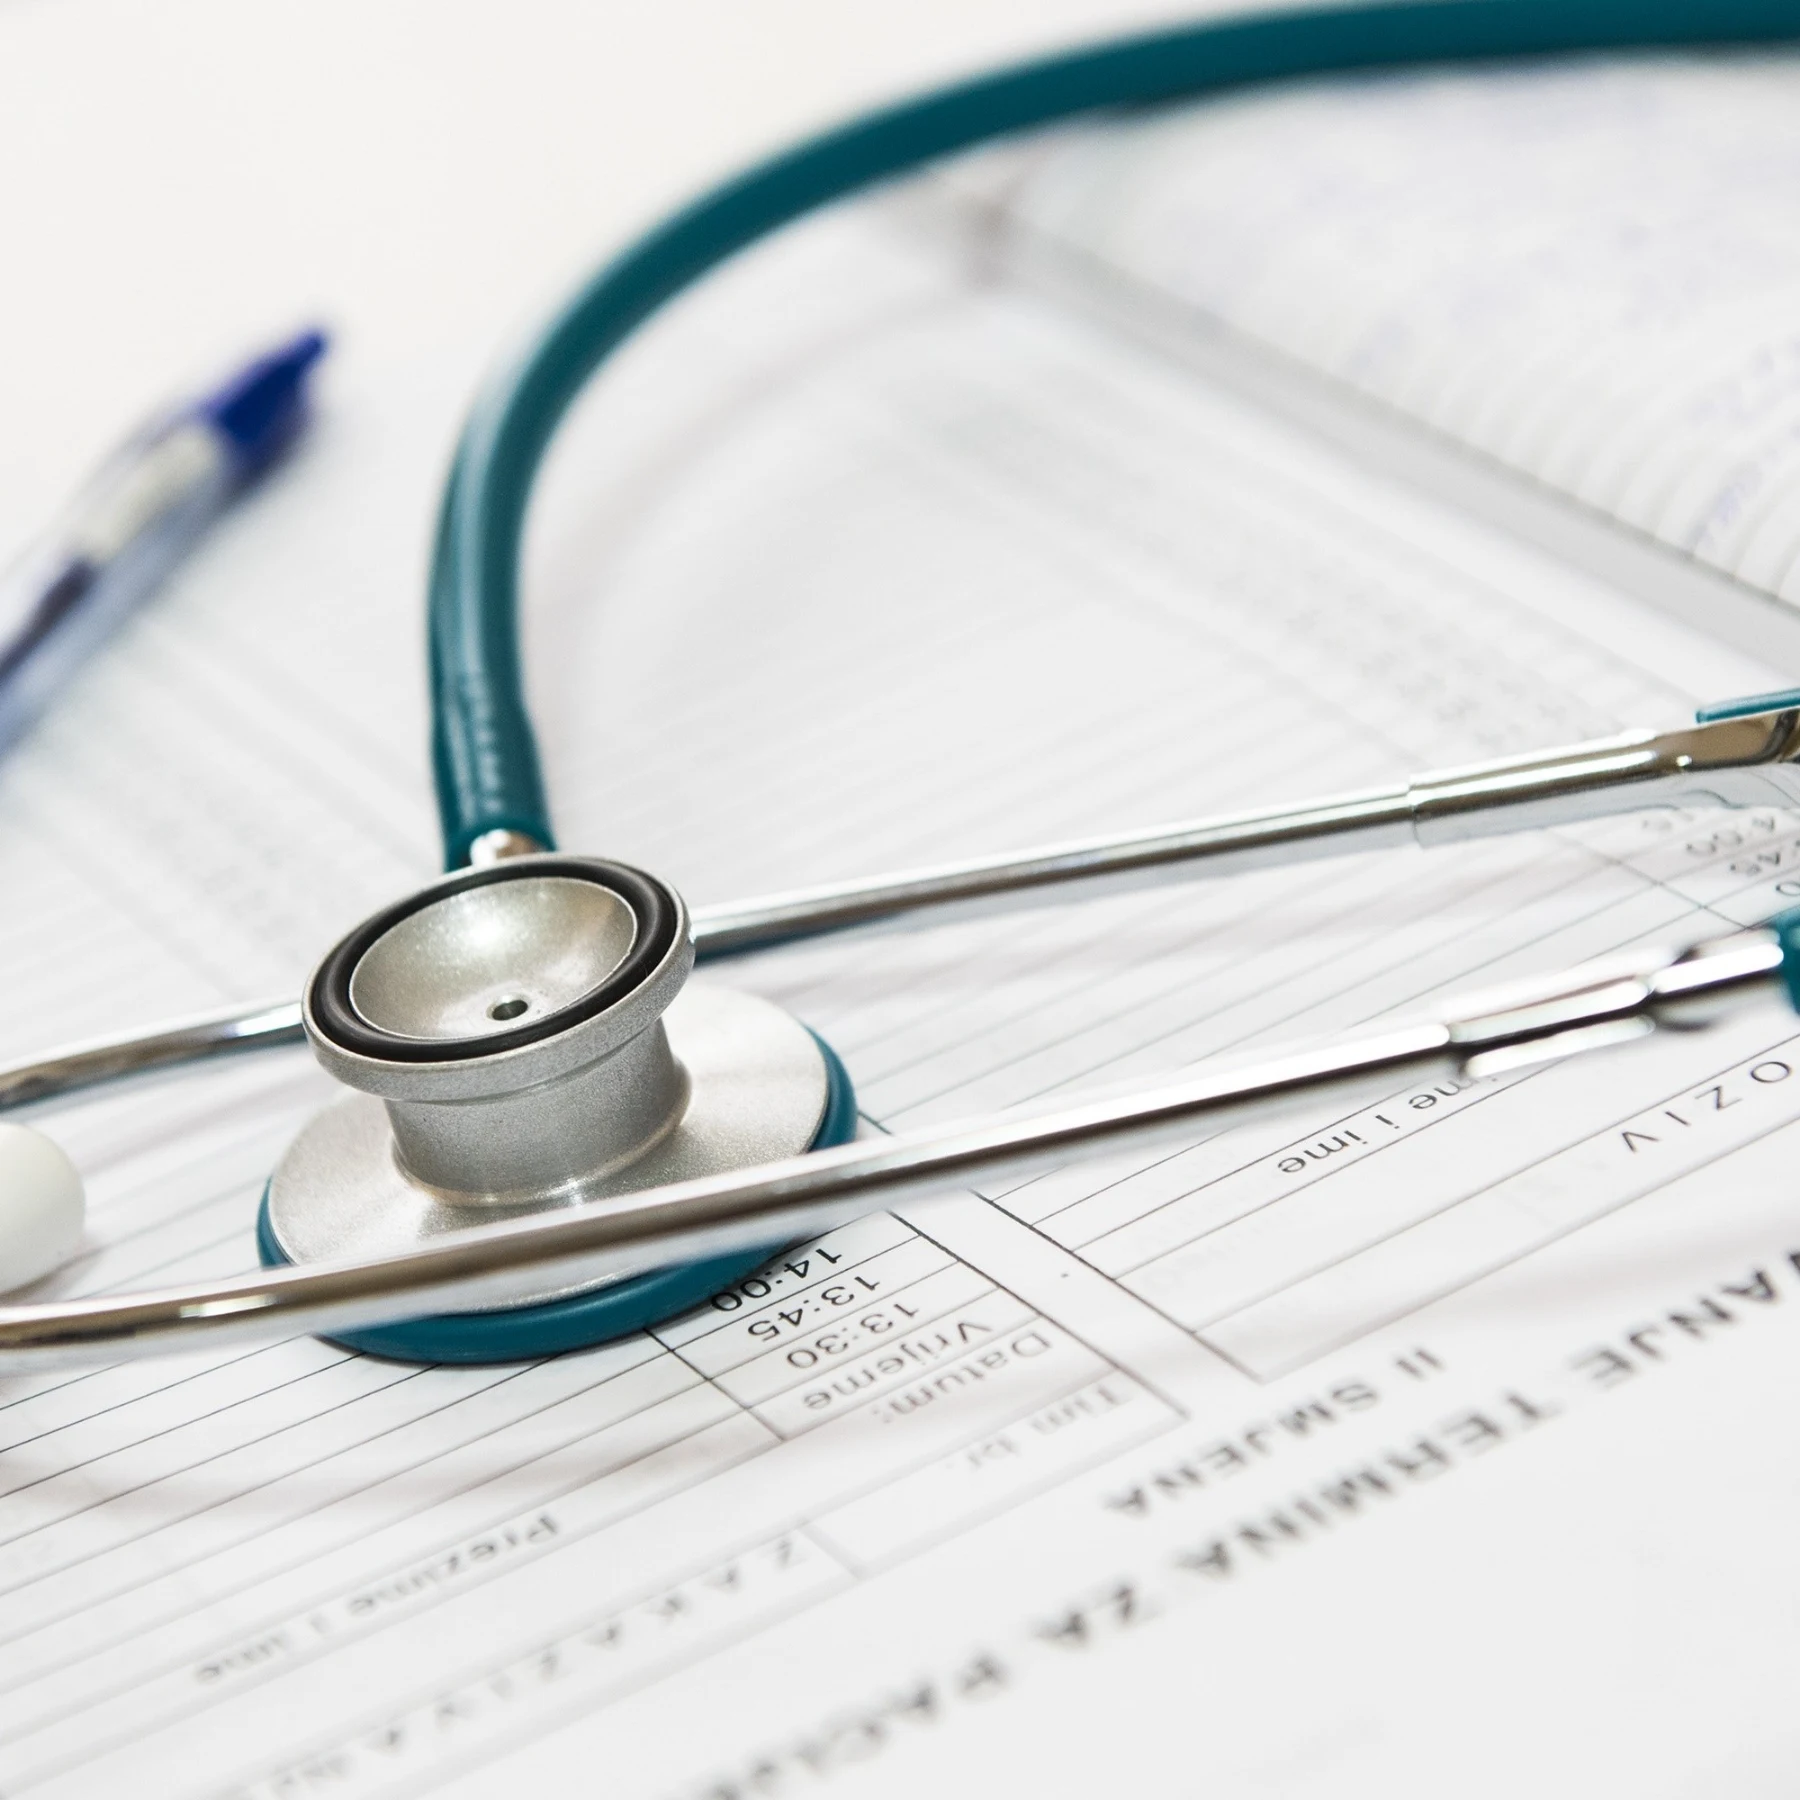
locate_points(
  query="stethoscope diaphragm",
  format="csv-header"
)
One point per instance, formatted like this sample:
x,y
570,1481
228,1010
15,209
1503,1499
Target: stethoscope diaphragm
x,y
523,1039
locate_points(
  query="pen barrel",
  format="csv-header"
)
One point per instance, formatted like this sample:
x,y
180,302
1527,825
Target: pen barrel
x,y
111,548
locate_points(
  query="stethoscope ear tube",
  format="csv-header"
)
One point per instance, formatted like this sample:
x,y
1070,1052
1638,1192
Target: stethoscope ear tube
x,y
488,773
1597,1005
267,1025
1741,753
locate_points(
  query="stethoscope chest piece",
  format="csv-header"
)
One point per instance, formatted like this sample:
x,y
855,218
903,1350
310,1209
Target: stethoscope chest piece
x,y
522,1038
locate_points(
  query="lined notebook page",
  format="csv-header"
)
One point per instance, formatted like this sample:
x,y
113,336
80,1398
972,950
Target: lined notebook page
x,y
1588,272
856,562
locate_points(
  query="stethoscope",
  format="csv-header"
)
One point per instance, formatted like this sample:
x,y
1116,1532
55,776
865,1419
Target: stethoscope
x,y
552,1137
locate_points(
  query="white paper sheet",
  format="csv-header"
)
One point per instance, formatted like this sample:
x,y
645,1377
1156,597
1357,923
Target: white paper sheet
x,y
859,562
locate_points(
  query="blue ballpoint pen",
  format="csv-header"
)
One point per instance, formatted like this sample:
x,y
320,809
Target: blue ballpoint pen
x,y
135,518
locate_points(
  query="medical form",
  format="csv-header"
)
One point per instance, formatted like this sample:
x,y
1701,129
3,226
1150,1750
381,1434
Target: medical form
x,y
1443,1446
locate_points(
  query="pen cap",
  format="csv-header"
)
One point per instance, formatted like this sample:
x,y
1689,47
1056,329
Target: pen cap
x,y
261,407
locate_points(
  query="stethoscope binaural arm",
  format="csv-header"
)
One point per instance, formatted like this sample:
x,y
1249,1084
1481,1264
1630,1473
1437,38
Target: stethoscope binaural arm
x,y
1588,1007
265,1026
1738,753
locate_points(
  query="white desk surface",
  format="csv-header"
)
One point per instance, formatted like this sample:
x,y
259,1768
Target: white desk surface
x,y
189,177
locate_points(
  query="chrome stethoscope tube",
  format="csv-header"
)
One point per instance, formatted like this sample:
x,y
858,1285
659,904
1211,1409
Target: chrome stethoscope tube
x,y
1597,1005
1746,759
1593,1006
1742,759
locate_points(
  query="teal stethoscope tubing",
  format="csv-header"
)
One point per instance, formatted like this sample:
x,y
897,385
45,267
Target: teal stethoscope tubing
x,y
484,751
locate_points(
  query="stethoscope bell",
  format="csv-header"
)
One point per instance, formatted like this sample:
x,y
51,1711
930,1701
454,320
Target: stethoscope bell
x,y
522,1038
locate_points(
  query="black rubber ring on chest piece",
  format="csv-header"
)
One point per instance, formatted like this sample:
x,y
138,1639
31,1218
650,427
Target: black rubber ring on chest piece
x,y
653,908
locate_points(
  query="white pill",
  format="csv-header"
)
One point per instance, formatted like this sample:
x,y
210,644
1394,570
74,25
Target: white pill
x,y
41,1206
